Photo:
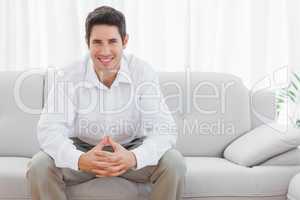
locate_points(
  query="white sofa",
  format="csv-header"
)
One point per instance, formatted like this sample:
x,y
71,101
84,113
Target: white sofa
x,y
294,188
211,111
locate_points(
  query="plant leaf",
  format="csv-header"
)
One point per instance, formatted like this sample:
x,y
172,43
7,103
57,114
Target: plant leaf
x,y
295,86
291,93
296,76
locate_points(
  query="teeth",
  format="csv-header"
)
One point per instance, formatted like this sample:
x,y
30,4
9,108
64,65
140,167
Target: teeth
x,y
105,60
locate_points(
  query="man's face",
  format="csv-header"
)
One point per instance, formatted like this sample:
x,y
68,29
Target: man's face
x,y
106,48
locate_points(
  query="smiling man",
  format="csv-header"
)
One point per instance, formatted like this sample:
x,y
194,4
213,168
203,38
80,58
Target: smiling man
x,y
105,117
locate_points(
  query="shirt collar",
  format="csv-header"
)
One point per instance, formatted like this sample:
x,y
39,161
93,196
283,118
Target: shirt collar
x,y
123,75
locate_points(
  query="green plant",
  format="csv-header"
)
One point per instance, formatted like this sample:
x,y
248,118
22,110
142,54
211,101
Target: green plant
x,y
291,93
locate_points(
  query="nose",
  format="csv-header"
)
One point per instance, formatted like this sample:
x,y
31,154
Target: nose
x,y
105,50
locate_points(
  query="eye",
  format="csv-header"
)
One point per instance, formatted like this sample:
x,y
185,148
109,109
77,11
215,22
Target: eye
x,y
113,41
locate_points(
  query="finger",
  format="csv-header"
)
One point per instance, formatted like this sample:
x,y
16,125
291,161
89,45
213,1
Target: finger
x,y
103,153
117,168
105,140
100,145
104,165
108,156
100,176
114,144
117,173
105,173
112,161
100,158
115,159
100,172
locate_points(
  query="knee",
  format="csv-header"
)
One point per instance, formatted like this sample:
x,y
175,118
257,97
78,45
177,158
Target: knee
x,y
40,165
174,163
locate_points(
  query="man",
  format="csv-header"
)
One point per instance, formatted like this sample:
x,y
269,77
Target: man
x,y
104,117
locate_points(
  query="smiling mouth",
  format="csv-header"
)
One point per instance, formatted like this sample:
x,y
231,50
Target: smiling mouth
x,y
105,61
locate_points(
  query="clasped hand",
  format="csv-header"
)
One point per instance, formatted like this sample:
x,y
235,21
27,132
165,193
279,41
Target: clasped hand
x,y
104,163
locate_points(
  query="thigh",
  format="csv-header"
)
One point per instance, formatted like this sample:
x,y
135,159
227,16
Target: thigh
x,y
171,161
73,177
140,176
43,162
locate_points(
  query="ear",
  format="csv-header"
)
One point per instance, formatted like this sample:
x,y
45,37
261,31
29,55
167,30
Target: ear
x,y
125,41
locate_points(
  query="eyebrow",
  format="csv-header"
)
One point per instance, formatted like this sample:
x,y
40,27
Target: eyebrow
x,y
111,39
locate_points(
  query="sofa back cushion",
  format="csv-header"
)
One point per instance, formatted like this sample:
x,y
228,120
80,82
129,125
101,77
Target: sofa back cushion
x,y
20,105
211,110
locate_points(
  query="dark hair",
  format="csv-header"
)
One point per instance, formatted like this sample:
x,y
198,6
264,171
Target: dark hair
x,y
105,15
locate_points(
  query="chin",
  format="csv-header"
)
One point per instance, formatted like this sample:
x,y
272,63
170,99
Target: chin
x,y
110,67
106,68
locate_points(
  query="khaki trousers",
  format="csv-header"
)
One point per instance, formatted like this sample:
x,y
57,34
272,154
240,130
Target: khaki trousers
x,y
48,182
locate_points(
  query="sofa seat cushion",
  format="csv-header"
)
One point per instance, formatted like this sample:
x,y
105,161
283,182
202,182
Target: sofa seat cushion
x,y
206,177
12,178
294,192
13,184
213,177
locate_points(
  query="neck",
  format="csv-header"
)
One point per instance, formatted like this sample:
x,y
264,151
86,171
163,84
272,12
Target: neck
x,y
107,77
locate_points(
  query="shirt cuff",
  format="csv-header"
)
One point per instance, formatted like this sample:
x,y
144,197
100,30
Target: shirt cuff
x,y
74,159
140,163
139,156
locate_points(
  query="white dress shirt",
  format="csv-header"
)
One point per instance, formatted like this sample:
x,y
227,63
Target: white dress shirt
x,y
79,105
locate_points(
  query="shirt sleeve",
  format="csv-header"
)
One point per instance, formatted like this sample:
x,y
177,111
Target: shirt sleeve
x,y
157,124
56,124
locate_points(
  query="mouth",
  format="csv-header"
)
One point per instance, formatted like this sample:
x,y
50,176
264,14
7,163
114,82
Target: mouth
x,y
105,60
